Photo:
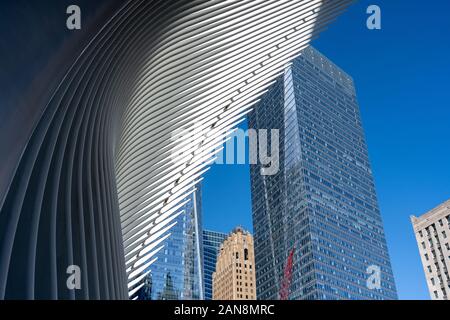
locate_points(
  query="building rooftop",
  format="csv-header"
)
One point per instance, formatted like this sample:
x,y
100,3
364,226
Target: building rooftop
x,y
431,215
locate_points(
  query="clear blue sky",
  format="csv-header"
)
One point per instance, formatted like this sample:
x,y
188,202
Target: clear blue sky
x,y
402,77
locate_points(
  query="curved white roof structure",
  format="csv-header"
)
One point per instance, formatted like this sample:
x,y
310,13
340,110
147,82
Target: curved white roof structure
x,y
216,59
103,170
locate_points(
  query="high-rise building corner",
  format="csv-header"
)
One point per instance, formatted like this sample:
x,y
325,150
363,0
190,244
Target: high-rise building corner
x,y
322,201
432,231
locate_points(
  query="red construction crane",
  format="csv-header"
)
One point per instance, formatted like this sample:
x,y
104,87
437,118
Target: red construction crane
x,y
287,278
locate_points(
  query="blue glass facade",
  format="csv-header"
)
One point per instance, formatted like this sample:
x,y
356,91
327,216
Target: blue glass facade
x,y
177,274
322,201
211,246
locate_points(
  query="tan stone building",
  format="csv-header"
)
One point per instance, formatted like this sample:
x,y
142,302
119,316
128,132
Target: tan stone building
x,y
433,238
234,278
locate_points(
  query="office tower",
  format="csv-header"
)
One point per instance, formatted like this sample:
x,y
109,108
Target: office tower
x,y
177,272
432,231
322,202
211,245
145,292
88,176
234,278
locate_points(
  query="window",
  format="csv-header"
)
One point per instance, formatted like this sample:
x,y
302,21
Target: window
x,y
245,254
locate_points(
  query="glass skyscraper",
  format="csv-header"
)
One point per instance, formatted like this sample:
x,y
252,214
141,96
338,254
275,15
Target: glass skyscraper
x,y
322,202
211,246
177,274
